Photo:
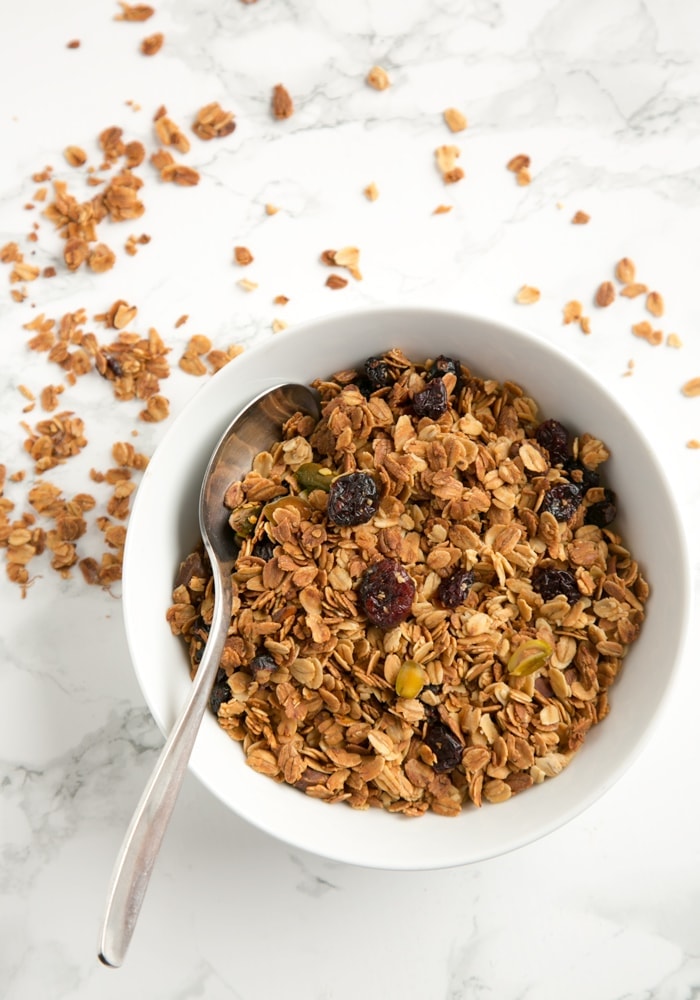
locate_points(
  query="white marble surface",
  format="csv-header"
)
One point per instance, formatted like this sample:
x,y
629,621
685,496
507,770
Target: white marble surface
x,y
604,98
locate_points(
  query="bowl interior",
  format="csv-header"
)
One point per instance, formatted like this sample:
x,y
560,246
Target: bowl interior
x,y
163,528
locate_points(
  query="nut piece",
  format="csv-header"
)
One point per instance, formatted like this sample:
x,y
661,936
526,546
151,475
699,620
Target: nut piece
x,y
518,163
442,209
526,295
282,104
573,311
631,291
336,281
378,78
581,219
655,304
75,156
243,256
152,44
605,295
446,157
348,257
691,388
454,119
625,271
247,285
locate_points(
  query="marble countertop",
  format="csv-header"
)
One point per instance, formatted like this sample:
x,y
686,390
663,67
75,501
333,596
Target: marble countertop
x,y
604,99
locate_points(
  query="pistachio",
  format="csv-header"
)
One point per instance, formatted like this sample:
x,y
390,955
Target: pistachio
x,y
312,476
288,503
529,657
244,518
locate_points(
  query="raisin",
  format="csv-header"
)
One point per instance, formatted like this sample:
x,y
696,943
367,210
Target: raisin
x,y
555,438
365,386
443,365
563,500
220,692
548,583
352,499
261,667
264,549
604,512
432,401
386,593
445,745
378,373
115,366
578,473
454,589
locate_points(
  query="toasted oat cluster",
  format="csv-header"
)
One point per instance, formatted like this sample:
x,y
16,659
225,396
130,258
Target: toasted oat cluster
x,y
430,600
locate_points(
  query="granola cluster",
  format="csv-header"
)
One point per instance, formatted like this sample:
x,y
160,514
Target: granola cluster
x,y
524,598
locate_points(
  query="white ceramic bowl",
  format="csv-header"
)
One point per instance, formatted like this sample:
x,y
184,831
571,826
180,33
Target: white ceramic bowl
x,y
163,528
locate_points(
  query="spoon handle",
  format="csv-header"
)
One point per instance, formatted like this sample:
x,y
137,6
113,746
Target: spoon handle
x,y
143,838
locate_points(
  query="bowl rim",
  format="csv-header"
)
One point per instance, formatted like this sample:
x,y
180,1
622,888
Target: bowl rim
x,y
302,331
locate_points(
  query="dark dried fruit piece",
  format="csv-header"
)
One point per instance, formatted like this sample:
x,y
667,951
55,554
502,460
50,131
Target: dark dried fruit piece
x,y
352,499
604,512
578,473
555,438
443,365
563,500
432,401
262,667
378,373
548,583
220,693
386,593
264,549
454,589
445,745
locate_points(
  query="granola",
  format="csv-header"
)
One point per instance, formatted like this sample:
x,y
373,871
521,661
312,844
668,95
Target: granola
x,y
517,600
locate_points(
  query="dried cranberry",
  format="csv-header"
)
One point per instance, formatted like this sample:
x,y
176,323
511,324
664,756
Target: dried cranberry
x,y
445,745
604,512
261,667
563,500
548,583
555,438
432,401
386,593
578,473
444,366
352,499
220,693
454,589
378,373
264,549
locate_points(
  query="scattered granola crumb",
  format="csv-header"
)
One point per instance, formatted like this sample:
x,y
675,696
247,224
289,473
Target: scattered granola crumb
x,y
581,219
645,331
271,209
605,295
170,135
691,388
180,174
446,157
181,321
519,165
454,119
625,271
247,285
655,304
49,397
336,281
573,311
282,104
673,340
131,244
280,300
348,257
585,324
378,78
27,393
442,209
152,44
74,43
212,122
135,12
49,272
371,192
632,290
694,444
157,409
101,259
243,256
523,177
278,325
527,294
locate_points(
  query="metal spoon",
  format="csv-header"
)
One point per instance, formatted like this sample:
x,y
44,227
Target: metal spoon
x,y
255,429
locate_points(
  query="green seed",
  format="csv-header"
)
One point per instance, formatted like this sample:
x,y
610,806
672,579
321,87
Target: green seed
x,y
290,502
529,657
410,679
244,518
313,476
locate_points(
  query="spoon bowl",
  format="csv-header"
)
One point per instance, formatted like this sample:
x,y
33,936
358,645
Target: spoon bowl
x,y
254,429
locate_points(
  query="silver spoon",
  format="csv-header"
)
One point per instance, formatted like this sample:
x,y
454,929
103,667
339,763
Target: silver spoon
x,y
255,429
